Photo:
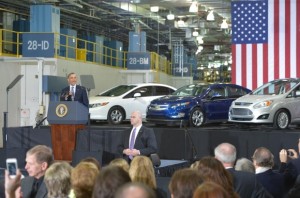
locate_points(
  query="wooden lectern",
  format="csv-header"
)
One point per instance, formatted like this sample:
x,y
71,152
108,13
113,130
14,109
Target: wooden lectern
x,y
66,117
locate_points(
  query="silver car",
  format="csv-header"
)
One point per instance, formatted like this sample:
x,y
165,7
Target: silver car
x,y
276,102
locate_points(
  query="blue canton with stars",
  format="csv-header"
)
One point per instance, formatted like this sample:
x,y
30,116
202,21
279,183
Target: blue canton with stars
x,y
249,22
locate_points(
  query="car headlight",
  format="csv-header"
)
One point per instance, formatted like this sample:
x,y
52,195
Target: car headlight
x,y
98,104
266,103
180,105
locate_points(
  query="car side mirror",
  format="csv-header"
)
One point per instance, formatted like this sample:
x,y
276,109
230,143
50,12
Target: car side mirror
x,y
137,95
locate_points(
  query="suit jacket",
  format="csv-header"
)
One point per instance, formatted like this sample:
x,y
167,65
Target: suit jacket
x,y
273,182
145,142
26,186
247,186
80,95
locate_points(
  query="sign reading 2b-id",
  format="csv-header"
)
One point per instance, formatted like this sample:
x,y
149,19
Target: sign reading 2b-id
x,y
38,45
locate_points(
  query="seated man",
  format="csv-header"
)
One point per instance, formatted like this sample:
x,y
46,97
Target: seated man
x,y
38,159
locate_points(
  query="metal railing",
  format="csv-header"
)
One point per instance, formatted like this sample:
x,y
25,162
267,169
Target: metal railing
x,y
70,47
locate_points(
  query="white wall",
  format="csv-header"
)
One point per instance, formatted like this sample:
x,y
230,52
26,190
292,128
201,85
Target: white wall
x,y
26,97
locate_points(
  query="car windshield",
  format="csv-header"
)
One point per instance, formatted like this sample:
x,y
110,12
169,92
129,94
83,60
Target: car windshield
x,y
117,91
276,87
190,90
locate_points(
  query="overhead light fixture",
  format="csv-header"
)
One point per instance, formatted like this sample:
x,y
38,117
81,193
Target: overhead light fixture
x,y
180,23
170,16
154,8
194,7
224,24
200,39
195,33
210,16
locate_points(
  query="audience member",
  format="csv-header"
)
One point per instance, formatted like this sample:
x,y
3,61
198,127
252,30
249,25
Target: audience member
x,y
244,164
139,140
184,182
273,182
58,180
92,160
38,159
294,192
11,185
212,169
121,163
141,170
83,179
245,183
110,179
210,190
135,190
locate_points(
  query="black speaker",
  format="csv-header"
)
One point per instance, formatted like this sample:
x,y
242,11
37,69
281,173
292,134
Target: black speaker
x,y
77,156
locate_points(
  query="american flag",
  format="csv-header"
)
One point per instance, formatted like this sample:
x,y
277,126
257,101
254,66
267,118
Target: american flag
x,y
265,36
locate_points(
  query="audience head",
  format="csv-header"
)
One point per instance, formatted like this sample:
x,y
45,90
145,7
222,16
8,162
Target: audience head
x,y
135,190
213,170
109,180
136,118
58,180
121,163
38,159
92,160
263,157
226,153
83,179
141,170
244,164
210,190
184,182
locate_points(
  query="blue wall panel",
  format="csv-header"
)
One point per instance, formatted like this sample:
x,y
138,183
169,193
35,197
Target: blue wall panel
x,y
68,43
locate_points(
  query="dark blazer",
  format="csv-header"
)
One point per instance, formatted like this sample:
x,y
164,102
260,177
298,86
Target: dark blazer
x,y
247,186
145,142
273,182
26,187
80,95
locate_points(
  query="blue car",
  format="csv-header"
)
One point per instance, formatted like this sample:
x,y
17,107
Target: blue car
x,y
195,104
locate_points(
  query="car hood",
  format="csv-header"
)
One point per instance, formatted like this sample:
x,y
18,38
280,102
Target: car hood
x,y
172,99
258,98
99,99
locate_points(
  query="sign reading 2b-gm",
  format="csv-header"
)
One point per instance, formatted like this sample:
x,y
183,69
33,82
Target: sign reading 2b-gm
x,y
38,45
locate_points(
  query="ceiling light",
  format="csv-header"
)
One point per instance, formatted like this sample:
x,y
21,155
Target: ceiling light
x,y
154,8
224,24
170,16
195,33
210,16
180,23
200,39
194,7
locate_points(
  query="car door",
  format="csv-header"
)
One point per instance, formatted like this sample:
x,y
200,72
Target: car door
x,y
216,106
140,103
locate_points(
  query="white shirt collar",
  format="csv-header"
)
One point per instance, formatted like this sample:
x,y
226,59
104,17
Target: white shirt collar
x,y
261,169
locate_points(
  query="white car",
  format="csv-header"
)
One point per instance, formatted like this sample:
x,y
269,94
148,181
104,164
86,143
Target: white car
x,y
116,105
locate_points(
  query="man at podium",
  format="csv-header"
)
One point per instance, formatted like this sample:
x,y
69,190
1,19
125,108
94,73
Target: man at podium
x,y
74,92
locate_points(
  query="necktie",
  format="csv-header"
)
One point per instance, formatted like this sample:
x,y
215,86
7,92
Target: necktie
x,y
131,143
35,188
73,93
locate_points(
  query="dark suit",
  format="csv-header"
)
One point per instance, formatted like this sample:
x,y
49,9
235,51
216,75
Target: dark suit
x,y
26,187
80,95
247,186
145,142
273,182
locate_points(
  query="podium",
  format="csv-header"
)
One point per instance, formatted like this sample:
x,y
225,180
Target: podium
x,y
66,118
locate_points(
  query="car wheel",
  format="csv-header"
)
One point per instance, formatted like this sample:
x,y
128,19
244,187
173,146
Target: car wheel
x,y
115,115
281,119
196,117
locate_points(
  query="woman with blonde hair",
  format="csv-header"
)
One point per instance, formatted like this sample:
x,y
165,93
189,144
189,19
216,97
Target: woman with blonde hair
x,y
121,163
83,179
141,170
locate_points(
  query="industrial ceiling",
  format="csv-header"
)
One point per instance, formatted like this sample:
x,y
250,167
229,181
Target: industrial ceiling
x,y
115,18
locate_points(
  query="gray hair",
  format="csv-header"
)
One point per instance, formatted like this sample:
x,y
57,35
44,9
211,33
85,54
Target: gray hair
x,y
226,153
